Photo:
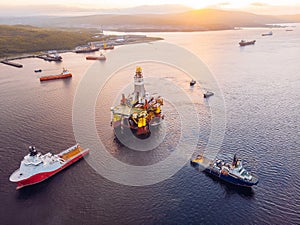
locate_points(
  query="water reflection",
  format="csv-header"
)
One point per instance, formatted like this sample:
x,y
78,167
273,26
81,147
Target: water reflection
x,y
29,192
231,189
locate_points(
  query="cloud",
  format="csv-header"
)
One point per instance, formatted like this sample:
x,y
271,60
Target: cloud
x,y
224,4
258,4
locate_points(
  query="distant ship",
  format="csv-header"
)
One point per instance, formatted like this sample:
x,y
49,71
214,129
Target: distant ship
x,y
36,167
106,47
64,74
244,43
87,49
100,57
53,57
208,94
267,34
233,172
138,111
192,82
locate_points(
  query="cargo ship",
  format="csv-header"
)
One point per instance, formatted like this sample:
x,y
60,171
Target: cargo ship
x,y
64,74
244,43
100,57
233,172
36,167
138,111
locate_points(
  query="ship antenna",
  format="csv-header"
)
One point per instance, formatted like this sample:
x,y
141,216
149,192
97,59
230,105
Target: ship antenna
x,y
32,151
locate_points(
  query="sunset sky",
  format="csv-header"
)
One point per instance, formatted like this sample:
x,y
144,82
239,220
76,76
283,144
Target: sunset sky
x,y
256,6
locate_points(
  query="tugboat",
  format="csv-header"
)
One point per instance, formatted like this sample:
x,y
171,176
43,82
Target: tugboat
x,y
233,172
36,167
192,82
64,74
244,43
267,34
38,70
138,111
208,94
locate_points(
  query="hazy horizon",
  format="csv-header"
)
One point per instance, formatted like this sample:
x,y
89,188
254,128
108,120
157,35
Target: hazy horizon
x,y
89,7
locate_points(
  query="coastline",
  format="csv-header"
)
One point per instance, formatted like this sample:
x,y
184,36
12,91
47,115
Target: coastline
x,y
115,40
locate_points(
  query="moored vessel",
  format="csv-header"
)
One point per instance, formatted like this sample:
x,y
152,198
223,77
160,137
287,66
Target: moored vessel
x,y
86,49
108,47
36,167
244,43
53,57
64,74
233,172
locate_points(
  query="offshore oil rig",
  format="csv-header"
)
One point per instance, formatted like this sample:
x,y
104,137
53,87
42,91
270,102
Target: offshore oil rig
x,y
138,111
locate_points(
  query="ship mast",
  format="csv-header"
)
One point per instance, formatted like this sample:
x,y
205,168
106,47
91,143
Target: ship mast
x,y
139,89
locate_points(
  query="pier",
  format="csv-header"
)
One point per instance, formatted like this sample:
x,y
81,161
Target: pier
x,y
49,58
11,63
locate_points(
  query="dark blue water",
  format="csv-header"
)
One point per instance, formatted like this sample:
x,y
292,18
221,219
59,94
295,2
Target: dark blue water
x,y
261,87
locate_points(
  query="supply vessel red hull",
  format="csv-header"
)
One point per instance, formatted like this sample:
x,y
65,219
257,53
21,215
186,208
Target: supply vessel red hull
x,y
36,167
63,75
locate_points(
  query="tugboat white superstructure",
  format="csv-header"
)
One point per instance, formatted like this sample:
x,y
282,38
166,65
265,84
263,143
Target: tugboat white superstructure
x,y
36,167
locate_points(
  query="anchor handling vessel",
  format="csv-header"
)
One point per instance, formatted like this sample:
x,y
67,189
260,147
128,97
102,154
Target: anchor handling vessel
x,y
233,173
138,111
36,167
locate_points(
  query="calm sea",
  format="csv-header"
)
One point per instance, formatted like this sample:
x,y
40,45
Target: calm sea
x,y
261,88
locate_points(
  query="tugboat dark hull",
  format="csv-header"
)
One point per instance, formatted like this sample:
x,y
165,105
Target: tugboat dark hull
x,y
245,43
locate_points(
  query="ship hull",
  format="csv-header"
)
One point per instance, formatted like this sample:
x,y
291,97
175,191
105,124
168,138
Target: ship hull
x,y
87,50
247,43
95,58
37,178
230,179
54,77
108,48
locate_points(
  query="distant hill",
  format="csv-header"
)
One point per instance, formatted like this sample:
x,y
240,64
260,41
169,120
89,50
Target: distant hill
x,y
71,10
192,20
195,20
149,9
290,18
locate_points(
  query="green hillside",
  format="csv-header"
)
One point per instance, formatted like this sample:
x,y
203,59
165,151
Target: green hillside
x,y
26,39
